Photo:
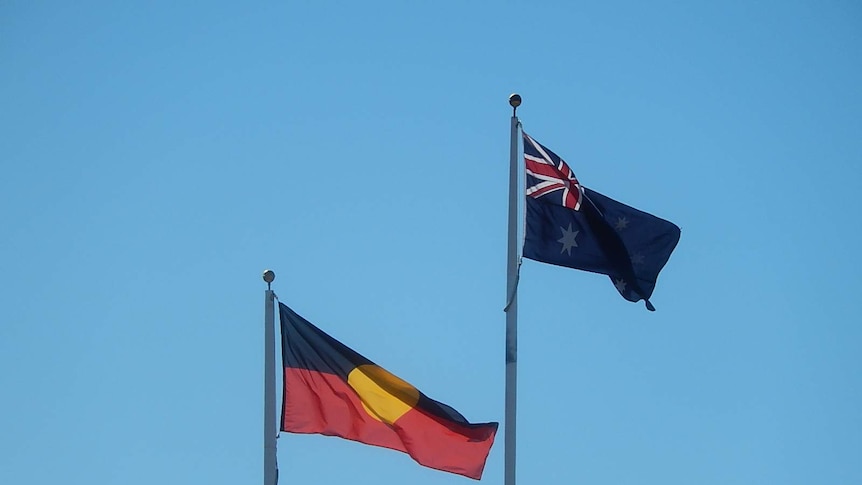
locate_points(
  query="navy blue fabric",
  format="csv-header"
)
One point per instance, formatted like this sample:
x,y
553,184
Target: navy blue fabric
x,y
628,245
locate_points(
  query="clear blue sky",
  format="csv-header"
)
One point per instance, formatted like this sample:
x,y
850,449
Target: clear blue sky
x,y
157,157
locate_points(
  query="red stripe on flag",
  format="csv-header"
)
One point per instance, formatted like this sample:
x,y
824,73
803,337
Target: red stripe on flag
x,y
544,169
445,445
545,190
321,403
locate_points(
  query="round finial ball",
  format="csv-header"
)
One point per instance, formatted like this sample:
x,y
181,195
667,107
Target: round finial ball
x,y
515,100
269,276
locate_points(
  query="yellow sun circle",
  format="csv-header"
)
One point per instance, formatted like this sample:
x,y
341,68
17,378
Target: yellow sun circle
x,y
384,396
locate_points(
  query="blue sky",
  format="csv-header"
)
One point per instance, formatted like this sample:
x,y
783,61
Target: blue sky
x,y
157,157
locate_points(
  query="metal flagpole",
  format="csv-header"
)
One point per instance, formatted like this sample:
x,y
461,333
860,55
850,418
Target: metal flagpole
x,y
270,433
512,299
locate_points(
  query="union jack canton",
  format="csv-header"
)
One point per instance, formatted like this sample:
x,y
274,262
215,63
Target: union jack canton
x,y
549,178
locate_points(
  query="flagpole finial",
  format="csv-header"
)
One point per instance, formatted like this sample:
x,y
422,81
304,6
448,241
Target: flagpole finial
x,y
514,102
269,277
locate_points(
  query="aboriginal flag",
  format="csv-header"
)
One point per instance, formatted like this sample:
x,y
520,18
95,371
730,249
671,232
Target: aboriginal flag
x,y
332,390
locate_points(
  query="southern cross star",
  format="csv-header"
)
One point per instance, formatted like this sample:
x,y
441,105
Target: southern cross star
x,y
568,239
638,259
621,286
621,224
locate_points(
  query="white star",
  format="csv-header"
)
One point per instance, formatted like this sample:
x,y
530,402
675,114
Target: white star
x,y
568,239
621,286
637,258
621,224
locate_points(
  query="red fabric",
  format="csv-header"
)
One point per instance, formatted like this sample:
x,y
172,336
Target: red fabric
x,y
322,403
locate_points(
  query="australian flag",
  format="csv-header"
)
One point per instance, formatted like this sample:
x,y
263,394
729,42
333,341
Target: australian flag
x,y
570,225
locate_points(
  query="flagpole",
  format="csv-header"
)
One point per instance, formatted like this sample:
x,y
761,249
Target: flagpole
x,y
270,433
512,297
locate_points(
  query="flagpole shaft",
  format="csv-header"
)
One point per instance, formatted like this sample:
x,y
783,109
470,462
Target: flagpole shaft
x,y
512,304
270,432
